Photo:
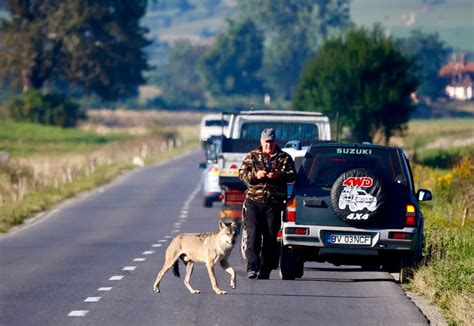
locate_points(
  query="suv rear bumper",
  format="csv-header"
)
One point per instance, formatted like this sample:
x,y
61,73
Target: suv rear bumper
x,y
317,236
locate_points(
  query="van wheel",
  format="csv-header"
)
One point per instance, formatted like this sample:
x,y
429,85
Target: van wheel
x,y
291,265
207,202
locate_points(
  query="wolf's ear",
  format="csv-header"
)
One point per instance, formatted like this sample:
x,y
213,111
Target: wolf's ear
x,y
221,225
233,225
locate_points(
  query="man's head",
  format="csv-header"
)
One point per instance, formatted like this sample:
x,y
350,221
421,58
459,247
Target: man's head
x,y
268,141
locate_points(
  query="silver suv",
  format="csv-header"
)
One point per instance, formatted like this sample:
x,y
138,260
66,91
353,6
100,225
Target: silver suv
x,y
353,204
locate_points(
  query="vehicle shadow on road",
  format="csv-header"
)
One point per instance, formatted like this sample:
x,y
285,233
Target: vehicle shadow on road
x,y
309,295
345,280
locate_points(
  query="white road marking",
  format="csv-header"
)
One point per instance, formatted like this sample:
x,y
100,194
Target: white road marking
x,y
177,224
139,259
175,231
116,278
92,299
104,289
155,245
148,252
168,237
162,240
78,313
184,212
129,268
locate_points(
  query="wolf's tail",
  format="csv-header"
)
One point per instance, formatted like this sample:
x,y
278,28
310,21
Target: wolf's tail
x,y
176,268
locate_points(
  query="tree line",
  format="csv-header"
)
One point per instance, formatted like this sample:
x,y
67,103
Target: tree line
x,y
302,51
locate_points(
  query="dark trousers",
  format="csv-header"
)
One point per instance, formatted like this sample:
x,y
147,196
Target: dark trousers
x,y
262,221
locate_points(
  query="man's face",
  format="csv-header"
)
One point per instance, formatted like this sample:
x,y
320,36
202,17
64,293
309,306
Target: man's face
x,y
268,146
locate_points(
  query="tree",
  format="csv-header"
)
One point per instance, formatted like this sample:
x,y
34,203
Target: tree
x,y
179,79
233,63
363,77
85,46
429,53
293,31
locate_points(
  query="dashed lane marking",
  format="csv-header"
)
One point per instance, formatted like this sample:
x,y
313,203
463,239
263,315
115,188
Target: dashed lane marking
x,y
92,299
116,278
162,240
104,289
148,252
139,259
78,313
129,268
156,245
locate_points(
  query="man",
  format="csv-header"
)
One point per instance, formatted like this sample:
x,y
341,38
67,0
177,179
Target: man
x,y
266,172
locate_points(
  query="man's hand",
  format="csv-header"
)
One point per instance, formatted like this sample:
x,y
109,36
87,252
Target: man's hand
x,y
274,175
261,174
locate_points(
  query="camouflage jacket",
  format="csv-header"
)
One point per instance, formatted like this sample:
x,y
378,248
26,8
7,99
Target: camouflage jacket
x,y
267,190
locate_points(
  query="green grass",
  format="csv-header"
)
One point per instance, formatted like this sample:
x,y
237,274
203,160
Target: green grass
x,y
447,273
35,202
24,139
423,132
443,158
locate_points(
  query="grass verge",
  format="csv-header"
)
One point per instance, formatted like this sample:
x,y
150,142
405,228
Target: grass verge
x,y
446,276
36,181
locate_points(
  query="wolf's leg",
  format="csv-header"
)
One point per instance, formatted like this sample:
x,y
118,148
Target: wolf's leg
x,y
212,276
189,271
169,262
225,265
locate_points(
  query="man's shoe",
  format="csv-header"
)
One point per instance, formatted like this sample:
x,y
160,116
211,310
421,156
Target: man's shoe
x,y
263,276
252,275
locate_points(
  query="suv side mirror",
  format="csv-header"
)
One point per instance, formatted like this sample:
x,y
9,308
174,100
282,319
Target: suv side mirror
x,y
424,195
202,165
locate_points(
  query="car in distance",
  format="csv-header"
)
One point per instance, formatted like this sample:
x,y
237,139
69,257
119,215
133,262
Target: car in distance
x,y
212,125
210,187
353,204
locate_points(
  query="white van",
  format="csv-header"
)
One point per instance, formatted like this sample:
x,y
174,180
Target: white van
x,y
288,125
213,125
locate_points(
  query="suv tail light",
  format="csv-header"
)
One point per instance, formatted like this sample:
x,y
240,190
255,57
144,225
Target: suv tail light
x,y
410,219
291,210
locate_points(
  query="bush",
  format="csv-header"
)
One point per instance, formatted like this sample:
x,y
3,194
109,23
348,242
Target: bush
x,y
49,109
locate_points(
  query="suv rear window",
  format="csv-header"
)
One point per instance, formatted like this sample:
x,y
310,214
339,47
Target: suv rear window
x,y
284,130
322,165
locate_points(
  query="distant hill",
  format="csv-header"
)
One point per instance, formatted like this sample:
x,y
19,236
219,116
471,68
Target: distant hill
x,y
201,20
453,20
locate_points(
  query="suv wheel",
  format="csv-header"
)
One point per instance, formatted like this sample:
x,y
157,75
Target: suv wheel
x,y
291,264
406,268
357,197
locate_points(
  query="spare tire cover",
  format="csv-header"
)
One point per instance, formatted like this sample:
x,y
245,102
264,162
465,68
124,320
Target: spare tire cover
x,y
357,196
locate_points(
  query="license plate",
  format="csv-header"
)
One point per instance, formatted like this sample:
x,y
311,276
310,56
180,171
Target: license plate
x,y
352,239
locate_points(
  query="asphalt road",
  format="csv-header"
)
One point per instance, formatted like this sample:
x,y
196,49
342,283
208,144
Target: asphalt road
x,y
93,260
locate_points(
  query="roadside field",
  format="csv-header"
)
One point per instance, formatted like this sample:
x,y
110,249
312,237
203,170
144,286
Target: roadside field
x,y
443,156
41,165
439,133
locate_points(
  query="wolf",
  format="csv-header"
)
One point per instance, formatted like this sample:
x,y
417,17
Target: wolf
x,y
208,248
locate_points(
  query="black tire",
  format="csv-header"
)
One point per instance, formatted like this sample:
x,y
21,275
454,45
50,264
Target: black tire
x,y
357,197
207,202
407,268
291,265
372,267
